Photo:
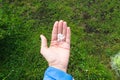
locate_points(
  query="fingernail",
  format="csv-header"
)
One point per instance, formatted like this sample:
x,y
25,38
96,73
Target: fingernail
x,y
61,20
65,22
41,35
68,27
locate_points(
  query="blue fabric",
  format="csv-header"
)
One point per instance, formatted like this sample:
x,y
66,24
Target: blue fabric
x,y
55,74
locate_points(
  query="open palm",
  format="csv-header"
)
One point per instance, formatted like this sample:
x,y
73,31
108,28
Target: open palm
x,y
58,53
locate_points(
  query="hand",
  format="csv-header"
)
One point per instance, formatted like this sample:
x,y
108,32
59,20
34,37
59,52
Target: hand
x,y
57,55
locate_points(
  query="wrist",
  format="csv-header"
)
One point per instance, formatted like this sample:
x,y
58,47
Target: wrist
x,y
60,67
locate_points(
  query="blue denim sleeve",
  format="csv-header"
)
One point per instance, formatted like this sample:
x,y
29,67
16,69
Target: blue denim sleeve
x,y
55,74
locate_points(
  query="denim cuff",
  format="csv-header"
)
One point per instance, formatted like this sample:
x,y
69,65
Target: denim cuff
x,y
57,74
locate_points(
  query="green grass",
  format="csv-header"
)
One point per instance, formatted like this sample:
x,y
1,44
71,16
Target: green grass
x,y
95,37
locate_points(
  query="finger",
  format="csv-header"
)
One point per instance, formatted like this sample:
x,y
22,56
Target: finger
x,y
60,25
68,35
43,41
64,29
54,31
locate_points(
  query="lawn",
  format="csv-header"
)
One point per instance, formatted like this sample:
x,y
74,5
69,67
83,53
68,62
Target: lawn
x,y
95,27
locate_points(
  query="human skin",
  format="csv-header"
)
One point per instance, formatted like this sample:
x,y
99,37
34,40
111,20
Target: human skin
x,y
57,54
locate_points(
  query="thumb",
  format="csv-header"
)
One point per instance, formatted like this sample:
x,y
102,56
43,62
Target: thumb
x,y
43,41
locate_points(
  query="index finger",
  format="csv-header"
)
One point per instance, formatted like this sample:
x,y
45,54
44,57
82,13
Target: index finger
x,y
55,31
